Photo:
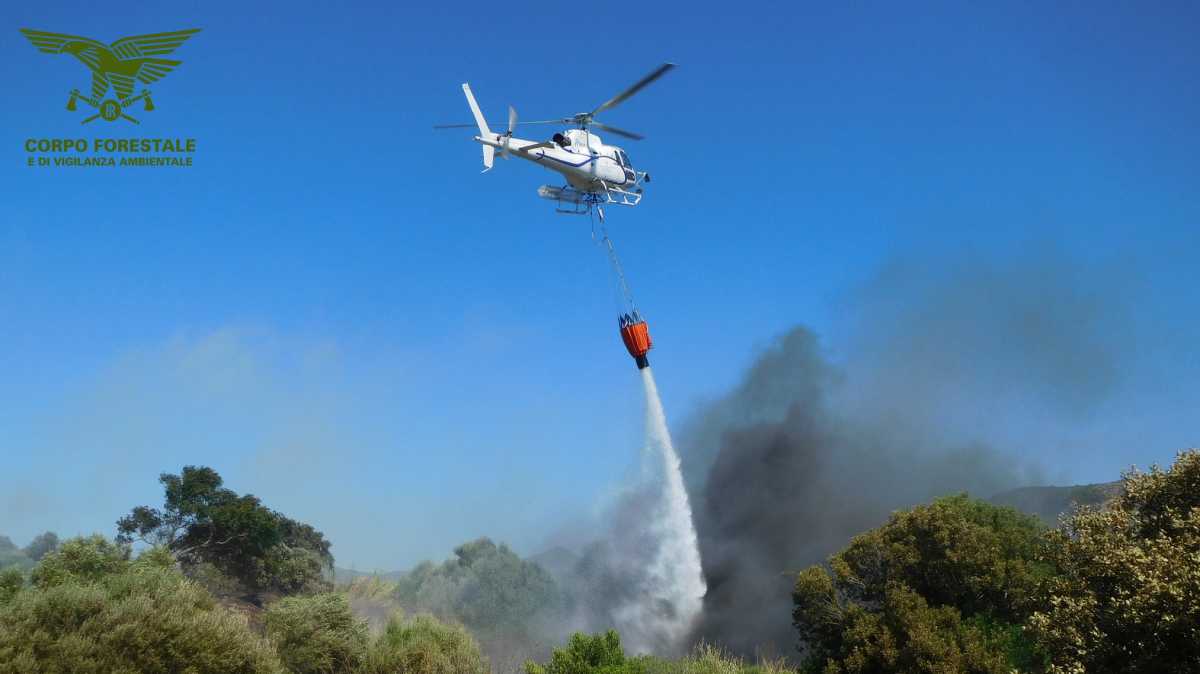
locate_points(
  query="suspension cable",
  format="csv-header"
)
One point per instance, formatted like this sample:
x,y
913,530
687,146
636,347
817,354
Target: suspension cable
x,y
611,251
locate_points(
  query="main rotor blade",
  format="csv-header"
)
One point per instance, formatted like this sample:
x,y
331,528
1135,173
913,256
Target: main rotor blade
x,y
565,120
641,84
620,132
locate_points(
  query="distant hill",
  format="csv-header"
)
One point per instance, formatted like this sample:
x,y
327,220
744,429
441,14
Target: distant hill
x,y
342,576
1050,502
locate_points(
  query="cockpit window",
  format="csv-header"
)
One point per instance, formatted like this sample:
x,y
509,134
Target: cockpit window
x,y
624,159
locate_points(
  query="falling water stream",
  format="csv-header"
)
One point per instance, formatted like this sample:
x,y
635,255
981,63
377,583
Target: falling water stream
x,y
674,578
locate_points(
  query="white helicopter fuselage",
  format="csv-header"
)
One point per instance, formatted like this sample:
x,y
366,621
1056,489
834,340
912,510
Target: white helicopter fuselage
x,y
596,173
583,159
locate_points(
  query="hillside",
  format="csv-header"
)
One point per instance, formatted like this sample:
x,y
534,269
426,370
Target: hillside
x,y
1048,503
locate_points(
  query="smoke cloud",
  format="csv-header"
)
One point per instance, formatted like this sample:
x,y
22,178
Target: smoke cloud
x,y
815,445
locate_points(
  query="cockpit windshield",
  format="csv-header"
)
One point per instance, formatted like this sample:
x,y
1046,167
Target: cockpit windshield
x,y
624,159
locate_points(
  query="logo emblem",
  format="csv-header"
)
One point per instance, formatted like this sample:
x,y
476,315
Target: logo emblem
x,y
115,68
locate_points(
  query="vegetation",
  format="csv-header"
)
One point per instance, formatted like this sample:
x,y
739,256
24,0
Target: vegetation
x,y
956,585
25,558
1127,595
1050,504
210,528
603,654
94,610
373,599
483,585
317,634
962,586
82,560
11,581
940,586
424,645
40,545
589,654
490,590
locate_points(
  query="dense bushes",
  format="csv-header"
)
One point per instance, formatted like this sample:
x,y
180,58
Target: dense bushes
x,y
317,634
963,586
423,645
602,654
938,588
81,560
93,610
504,600
956,585
11,580
589,654
485,585
1127,595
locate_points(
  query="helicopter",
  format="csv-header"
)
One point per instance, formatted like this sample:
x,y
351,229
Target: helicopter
x,y
596,174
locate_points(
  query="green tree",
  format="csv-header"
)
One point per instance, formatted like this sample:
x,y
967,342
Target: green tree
x,y
491,590
424,645
202,522
317,634
940,587
1127,597
956,551
41,544
11,555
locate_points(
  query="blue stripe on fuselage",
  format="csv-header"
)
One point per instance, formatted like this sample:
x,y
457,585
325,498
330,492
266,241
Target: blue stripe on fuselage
x,y
586,161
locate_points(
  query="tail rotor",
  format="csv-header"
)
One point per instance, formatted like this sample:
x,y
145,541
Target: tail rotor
x,y
512,124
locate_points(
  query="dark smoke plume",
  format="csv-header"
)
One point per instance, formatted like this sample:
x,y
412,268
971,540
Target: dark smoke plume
x,y
809,449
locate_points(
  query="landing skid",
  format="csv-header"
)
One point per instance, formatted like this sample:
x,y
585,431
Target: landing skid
x,y
584,209
582,203
616,195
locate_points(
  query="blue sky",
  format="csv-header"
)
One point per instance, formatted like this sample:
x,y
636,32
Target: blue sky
x,y
335,310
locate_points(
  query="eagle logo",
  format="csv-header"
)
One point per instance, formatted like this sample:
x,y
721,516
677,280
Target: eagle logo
x,y
116,67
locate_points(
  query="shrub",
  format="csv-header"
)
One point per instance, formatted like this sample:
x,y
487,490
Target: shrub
x,y
1128,594
708,659
590,654
82,560
142,618
11,582
943,585
424,645
316,634
374,599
